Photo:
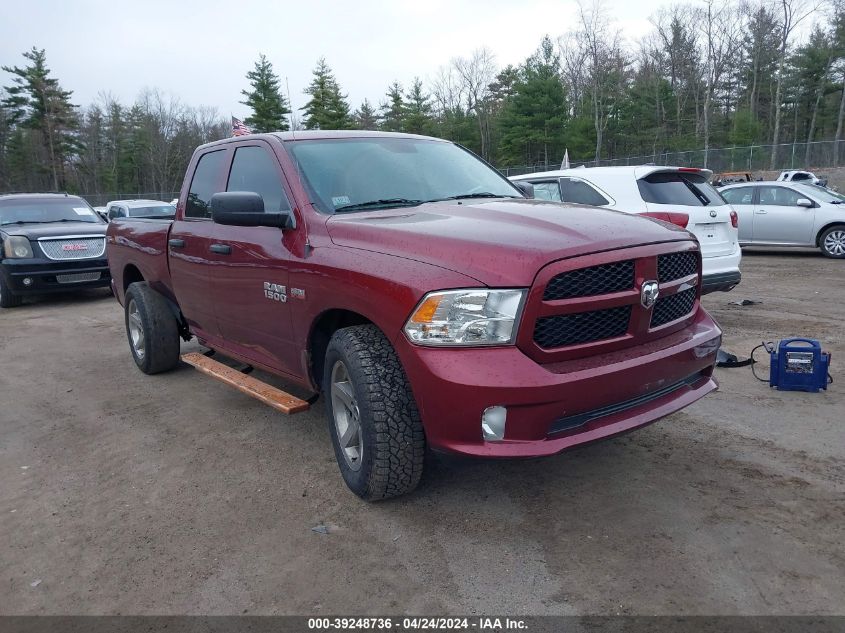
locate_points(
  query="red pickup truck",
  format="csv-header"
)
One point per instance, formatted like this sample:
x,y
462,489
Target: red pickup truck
x,y
430,301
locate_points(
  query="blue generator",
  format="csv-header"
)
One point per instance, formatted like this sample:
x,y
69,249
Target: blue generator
x,y
799,364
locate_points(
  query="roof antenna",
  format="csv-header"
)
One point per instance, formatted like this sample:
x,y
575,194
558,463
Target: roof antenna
x,y
290,104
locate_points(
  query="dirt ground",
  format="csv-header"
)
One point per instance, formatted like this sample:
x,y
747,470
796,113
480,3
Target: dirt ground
x,y
127,494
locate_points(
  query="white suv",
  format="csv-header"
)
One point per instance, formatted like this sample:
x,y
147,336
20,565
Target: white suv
x,y
679,195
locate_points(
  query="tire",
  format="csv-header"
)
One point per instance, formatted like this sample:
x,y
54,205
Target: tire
x,y
7,299
390,440
832,242
151,329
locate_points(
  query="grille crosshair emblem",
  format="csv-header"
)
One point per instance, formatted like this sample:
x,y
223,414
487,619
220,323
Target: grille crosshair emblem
x,y
649,293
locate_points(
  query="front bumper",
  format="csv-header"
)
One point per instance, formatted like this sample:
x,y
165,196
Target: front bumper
x,y
43,275
551,408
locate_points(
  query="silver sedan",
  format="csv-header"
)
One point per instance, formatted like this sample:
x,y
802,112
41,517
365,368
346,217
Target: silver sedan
x,y
789,214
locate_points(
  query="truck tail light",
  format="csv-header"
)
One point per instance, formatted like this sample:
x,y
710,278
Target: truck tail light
x,y
678,219
734,219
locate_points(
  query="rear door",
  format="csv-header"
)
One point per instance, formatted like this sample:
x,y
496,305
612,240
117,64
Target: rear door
x,y
189,244
252,265
742,201
779,220
687,191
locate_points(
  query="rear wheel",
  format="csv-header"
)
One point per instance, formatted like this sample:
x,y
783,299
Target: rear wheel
x,y
373,419
151,329
7,299
832,242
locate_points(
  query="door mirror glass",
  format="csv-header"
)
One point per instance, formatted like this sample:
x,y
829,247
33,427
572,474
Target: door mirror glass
x,y
244,208
804,202
526,188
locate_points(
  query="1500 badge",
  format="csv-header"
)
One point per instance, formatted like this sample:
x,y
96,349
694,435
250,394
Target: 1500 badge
x,y
275,292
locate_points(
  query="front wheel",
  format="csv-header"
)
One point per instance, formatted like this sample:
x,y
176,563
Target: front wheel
x,y
151,329
832,242
7,299
373,419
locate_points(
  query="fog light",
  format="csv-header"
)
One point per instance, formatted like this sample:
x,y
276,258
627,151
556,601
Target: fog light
x,y
493,423
27,281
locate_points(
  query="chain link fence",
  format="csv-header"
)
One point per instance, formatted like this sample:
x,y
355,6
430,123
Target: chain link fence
x,y
752,158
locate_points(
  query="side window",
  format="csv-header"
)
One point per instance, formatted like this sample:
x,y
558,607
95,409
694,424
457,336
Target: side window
x,y
547,191
779,196
576,190
740,195
255,169
801,176
204,184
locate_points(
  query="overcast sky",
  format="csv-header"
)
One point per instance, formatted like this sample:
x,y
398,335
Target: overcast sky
x,y
200,50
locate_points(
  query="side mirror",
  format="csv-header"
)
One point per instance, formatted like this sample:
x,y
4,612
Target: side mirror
x,y
244,208
526,188
804,202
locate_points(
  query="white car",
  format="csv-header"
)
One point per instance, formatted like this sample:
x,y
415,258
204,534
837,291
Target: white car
x,y
139,209
789,214
680,195
797,175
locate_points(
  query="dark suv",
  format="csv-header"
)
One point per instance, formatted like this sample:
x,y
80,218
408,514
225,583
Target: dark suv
x,y
49,243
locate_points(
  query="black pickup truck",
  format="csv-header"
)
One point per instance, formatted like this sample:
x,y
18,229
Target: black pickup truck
x,y
49,243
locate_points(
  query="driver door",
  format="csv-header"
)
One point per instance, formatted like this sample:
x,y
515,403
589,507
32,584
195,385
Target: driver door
x,y
251,264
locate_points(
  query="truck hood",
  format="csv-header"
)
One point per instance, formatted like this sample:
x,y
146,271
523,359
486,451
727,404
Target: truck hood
x,y
497,242
35,230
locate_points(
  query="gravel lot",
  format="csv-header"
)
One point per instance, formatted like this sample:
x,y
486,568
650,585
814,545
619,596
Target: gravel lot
x,y
127,494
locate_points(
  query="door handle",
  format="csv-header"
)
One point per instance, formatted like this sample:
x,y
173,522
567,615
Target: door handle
x,y
221,249
761,212
176,243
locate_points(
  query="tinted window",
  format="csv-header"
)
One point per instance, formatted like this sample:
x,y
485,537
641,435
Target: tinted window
x,y
801,176
204,184
40,210
740,195
779,196
546,191
254,169
575,190
688,189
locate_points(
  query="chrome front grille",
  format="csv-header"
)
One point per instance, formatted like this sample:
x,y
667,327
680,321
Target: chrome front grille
x,y
72,247
75,278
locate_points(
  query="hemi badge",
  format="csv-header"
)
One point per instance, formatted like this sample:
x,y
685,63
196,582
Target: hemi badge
x,y
298,293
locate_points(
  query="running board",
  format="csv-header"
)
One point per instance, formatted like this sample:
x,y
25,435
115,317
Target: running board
x,y
269,395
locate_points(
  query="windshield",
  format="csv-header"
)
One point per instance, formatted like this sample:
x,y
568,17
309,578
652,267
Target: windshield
x,y
822,193
157,211
367,173
45,210
679,188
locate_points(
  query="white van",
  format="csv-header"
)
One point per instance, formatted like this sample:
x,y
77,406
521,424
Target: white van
x,y
680,195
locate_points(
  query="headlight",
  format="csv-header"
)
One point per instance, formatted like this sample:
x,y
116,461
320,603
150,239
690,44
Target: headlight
x,y
17,246
475,316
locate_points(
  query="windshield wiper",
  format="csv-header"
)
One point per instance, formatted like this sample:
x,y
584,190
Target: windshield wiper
x,y
383,202
480,194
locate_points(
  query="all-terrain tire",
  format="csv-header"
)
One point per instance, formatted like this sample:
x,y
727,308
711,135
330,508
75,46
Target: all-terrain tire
x,y
146,309
7,299
392,450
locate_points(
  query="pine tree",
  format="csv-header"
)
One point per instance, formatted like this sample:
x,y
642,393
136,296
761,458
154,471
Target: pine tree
x,y
36,102
393,110
327,109
268,104
366,117
418,119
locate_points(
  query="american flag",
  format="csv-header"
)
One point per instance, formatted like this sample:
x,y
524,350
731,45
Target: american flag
x,y
238,128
